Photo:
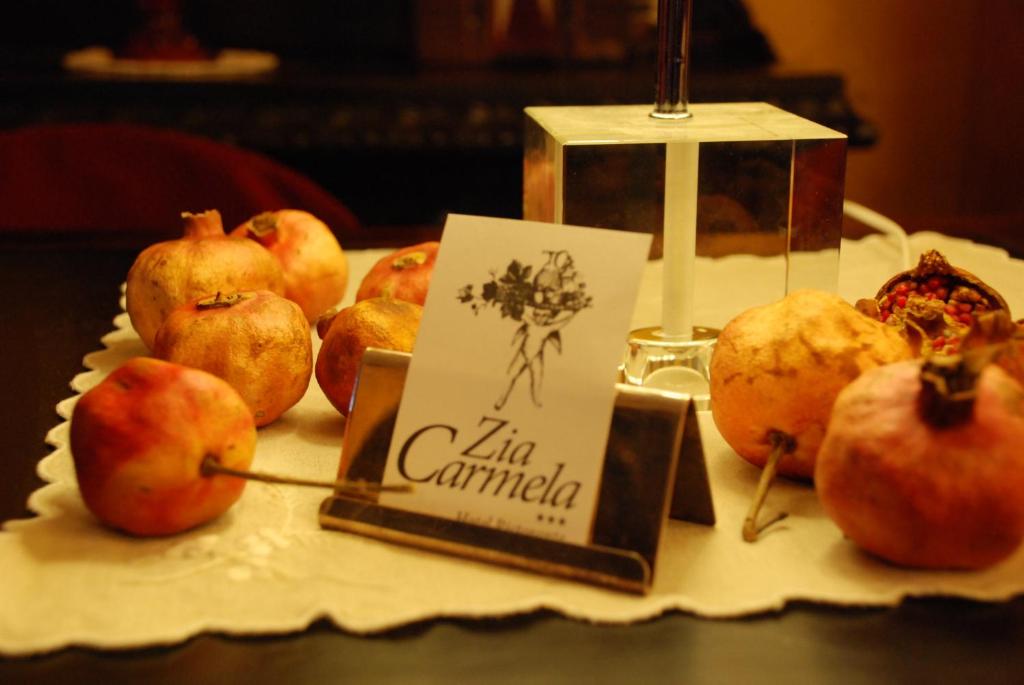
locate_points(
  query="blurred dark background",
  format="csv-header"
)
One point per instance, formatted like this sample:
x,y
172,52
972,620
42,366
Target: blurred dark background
x,y
403,109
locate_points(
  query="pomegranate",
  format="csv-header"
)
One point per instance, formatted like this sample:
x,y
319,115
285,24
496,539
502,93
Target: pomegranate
x,y
324,322
1012,359
997,331
922,462
402,275
257,341
205,261
935,303
314,265
775,372
139,437
377,322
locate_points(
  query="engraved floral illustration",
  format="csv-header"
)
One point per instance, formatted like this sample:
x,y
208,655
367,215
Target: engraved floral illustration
x,y
543,303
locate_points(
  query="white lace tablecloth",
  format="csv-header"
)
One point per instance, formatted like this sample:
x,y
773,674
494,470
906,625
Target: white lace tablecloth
x,y
266,567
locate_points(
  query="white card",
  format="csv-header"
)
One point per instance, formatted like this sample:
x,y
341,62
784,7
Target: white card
x,y
509,395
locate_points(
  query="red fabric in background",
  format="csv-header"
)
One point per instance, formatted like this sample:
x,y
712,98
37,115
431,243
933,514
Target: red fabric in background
x,y
124,177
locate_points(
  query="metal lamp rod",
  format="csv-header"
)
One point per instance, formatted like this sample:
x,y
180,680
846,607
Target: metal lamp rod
x,y
674,18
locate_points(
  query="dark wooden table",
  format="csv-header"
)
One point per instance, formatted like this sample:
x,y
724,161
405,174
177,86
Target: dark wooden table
x,y
61,299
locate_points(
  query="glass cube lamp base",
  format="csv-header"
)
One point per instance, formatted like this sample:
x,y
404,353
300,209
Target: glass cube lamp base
x,y
734,179
676,364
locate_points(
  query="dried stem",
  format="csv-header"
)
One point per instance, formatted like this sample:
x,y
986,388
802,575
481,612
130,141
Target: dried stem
x,y
210,466
263,224
948,384
782,445
206,224
222,301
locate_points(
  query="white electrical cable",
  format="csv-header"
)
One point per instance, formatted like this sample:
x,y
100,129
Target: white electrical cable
x,y
882,224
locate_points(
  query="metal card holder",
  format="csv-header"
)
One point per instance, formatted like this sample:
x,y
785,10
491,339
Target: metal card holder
x,y
654,468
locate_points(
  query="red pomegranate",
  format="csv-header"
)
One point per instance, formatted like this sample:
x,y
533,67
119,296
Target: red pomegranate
x,y
138,440
314,265
922,463
402,275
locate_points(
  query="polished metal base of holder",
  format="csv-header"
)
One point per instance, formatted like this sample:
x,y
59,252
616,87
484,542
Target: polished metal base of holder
x,y
654,468
676,364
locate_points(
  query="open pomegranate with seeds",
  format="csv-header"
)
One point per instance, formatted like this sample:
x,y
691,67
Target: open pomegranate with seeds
x,y
935,303
998,331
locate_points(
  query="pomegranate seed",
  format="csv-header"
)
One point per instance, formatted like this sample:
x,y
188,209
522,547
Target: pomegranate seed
x,y
939,343
902,288
901,301
965,306
890,297
923,288
884,315
966,318
911,286
934,282
951,309
942,293
929,296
